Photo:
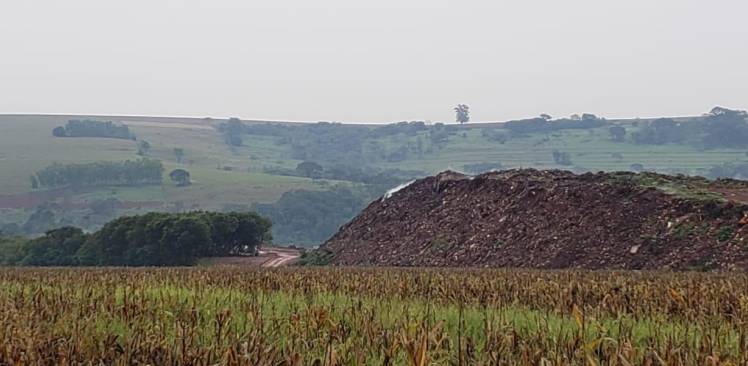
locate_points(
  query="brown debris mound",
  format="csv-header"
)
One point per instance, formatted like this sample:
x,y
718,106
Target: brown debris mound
x,y
550,219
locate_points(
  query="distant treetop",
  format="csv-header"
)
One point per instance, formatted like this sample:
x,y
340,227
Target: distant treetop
x,y
462,113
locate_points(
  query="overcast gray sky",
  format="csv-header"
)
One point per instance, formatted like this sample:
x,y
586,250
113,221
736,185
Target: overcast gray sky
x,y
375,61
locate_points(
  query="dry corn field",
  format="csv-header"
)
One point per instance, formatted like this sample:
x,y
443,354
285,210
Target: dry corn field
x,y
347,316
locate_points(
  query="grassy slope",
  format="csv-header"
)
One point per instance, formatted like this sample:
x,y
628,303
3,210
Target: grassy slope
x,y
26,145
590,149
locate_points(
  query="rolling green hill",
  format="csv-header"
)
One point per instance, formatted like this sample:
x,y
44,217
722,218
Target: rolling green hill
x,y
254,163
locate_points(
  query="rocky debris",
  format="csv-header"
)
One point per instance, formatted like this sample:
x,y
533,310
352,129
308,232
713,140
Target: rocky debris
x,y
551,219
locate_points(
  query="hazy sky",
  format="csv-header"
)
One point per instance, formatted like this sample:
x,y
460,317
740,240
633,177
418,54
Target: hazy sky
x,y
375,61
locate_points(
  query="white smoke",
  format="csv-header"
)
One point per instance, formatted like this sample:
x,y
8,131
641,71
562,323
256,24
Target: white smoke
x,y
393,190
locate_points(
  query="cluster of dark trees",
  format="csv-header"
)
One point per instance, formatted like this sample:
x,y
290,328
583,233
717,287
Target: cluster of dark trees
x,y
666,131
545,124
181,177
726,128
720,128
319,141
102,173
407,128
329,142
337,143
93,128
311,217
154,239
11,249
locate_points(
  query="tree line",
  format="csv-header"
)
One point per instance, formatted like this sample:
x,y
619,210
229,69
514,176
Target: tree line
x,y
93,128
311,217
356,144
545,124
153,239
101,173
720,128
336,143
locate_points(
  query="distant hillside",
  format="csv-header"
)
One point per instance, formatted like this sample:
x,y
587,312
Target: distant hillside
x,y
310,178
551,219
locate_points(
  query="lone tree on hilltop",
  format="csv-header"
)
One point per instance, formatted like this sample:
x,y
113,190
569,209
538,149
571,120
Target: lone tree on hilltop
x,y
462,113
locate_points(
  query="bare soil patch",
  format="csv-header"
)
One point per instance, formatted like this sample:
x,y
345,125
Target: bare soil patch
x,y
551,219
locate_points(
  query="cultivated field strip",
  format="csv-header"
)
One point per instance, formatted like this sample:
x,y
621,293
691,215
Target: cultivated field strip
x,y
347,316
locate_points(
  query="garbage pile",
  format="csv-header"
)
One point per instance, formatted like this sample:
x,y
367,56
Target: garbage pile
x,y
552,219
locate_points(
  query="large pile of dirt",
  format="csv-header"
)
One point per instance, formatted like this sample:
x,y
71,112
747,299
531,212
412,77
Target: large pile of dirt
x,y
552,219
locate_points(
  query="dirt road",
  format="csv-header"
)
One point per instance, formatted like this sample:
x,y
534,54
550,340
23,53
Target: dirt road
x,y
269,257
278,257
